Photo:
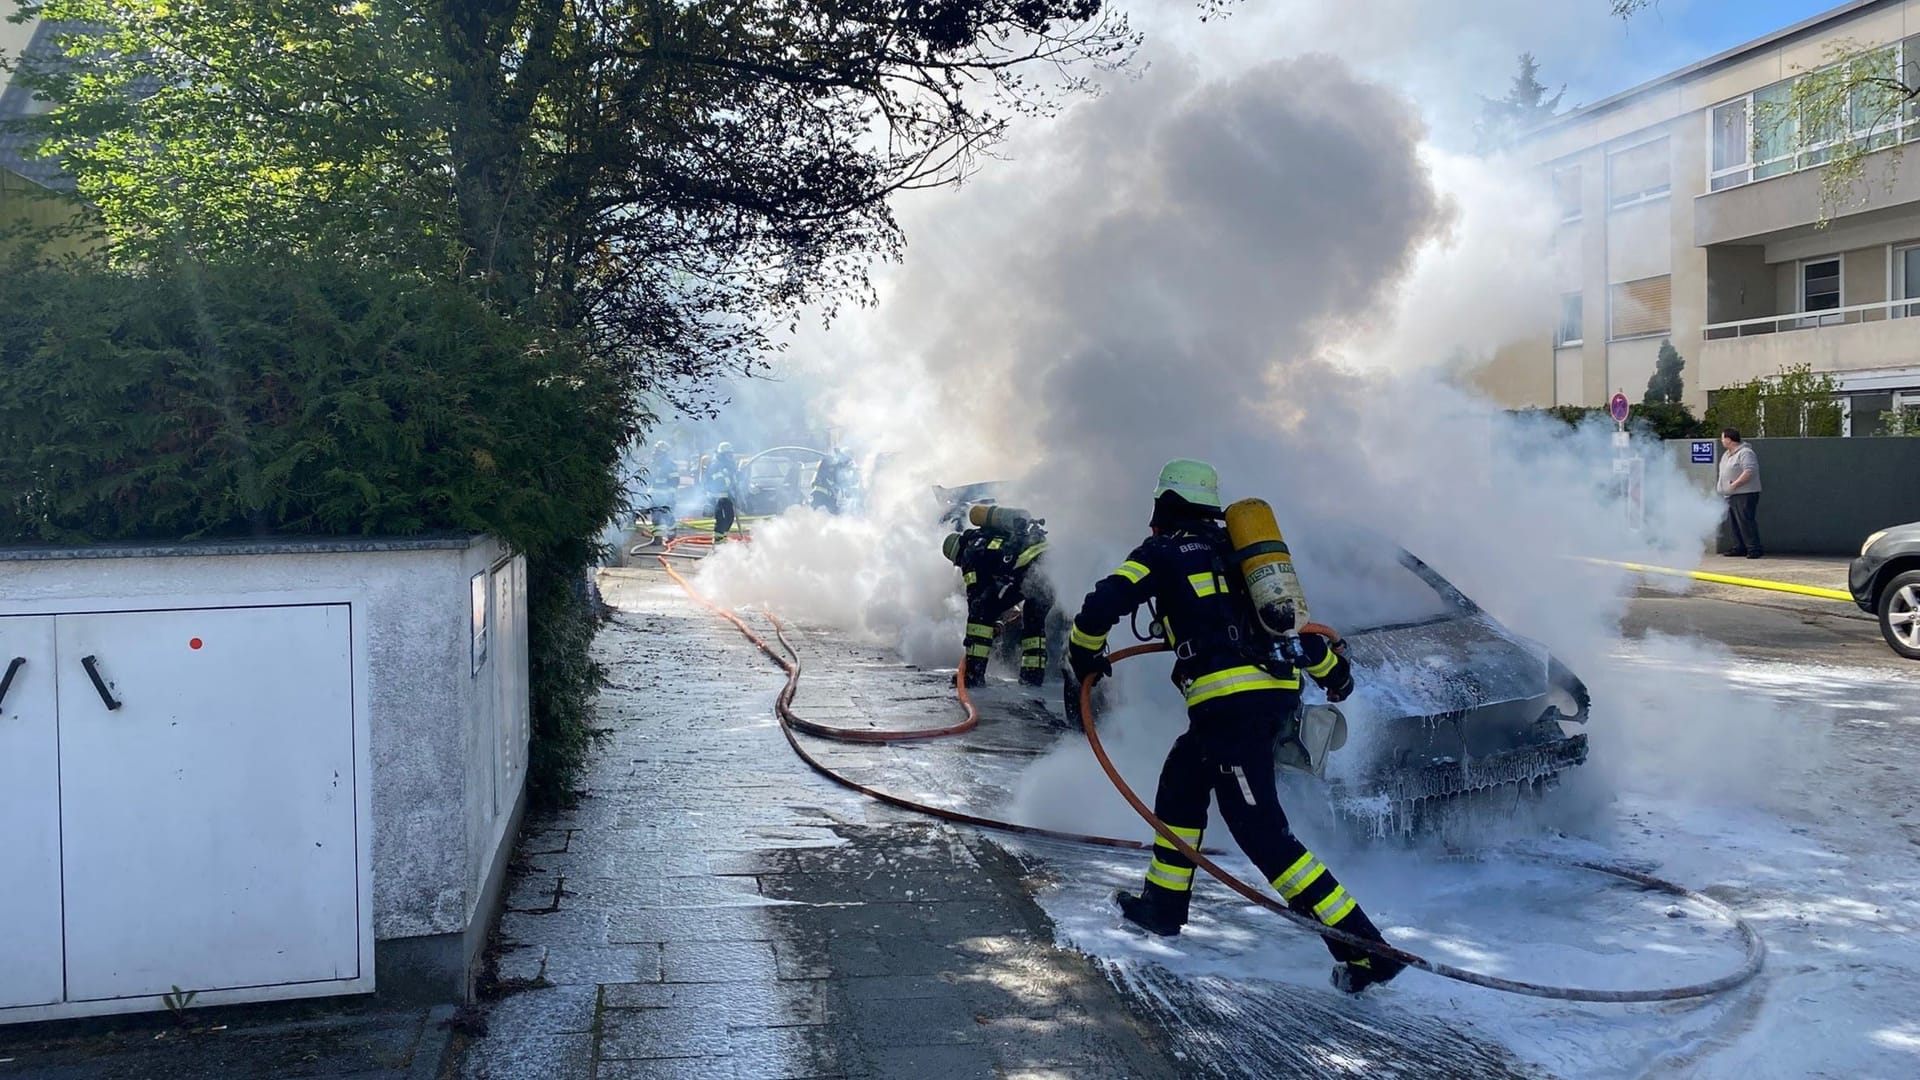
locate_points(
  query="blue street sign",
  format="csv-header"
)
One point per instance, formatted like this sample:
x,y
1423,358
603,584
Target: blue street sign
x,y
1618,408
1703,451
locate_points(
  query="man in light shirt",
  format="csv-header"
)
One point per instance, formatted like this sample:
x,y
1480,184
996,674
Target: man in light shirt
x,y
1740,486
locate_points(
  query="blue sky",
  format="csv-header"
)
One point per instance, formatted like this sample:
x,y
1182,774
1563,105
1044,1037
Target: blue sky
x,y
1671,34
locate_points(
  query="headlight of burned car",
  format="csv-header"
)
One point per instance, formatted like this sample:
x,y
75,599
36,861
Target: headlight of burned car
x,y
1872,540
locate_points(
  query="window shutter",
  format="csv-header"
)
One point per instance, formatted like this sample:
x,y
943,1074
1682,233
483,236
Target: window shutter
x,y
1642,307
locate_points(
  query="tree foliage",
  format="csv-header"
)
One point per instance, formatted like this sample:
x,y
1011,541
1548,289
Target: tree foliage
x,y
1666,386
1796,402
666,177
301,396
1526,105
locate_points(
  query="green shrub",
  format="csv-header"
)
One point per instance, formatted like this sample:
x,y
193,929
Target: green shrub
x,y
303,397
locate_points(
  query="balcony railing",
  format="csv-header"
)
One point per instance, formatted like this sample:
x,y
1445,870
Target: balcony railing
x,y
1813,320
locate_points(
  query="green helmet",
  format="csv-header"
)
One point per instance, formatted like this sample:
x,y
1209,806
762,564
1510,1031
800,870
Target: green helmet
x,y
950,547
1194,481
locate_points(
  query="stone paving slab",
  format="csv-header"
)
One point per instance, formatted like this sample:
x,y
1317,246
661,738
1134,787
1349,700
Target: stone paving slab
x,y
713,909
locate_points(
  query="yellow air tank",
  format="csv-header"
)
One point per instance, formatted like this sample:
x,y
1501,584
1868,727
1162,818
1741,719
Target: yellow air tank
x,y
1007,518
1267,567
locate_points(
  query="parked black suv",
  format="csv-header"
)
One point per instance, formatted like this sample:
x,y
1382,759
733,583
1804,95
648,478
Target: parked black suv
x,y
1885,581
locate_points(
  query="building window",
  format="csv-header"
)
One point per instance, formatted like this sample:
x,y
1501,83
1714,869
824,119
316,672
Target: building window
x,y
1572,312
1638,174
1732,146
1820,285
1566,193
1642,308
1754,137
1906,281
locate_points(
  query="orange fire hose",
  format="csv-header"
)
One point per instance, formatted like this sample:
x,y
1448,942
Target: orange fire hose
x,y
783,706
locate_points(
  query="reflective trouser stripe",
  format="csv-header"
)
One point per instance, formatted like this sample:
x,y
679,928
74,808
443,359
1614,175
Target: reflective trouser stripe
x,y
975,629
1325,665
1085,640
1191,836
1177,878
1031,661
980,651
1295,879
1233,681
1032,643
1337,905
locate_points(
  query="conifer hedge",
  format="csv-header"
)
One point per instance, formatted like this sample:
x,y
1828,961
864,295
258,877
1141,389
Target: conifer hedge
x,y
306,397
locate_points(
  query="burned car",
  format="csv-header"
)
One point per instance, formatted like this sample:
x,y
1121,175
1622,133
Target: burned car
x,y
1451,703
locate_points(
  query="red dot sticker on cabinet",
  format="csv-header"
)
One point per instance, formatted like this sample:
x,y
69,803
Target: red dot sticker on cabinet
x,y
194,644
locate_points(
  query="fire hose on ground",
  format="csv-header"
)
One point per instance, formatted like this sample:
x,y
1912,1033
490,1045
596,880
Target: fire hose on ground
x,y
790,723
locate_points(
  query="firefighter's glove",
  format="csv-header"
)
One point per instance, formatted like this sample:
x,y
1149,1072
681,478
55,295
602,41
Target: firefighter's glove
x,y
1341,690
1087,662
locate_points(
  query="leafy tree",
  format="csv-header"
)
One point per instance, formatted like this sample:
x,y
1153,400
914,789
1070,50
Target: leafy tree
x,y
1665,386
1796,402
668,178
1526,105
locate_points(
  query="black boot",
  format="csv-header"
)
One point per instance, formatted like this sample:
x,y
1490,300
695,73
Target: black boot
x,y
1355,976
976,672
1033,677
1147,915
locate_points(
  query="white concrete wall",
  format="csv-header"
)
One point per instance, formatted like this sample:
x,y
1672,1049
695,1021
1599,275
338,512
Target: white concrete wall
x,y
410,617
1862,346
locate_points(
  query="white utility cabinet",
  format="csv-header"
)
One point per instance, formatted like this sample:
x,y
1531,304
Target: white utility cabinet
x,y
229,769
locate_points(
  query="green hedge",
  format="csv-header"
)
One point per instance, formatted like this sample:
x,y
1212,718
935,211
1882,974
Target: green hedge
x,y
295,397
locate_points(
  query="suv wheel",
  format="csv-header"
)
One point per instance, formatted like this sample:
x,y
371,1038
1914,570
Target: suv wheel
x,y
1900,614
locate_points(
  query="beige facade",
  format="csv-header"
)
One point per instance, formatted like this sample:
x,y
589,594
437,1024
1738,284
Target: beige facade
x,y
1688,215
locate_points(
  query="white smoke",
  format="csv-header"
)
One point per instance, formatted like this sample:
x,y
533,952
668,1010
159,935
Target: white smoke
x,y
1272,269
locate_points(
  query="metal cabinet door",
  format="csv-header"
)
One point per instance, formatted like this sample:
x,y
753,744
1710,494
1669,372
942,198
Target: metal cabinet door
x,y
30,958
207,791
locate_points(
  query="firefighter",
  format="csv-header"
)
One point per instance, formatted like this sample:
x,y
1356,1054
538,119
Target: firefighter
x,y
663,485
833,483
1239,692
998,559
723,488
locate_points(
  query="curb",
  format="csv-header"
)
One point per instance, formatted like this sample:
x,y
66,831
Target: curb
x,y
429,1057
1728,579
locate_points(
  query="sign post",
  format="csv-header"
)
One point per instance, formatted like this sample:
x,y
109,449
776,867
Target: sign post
x,y
1629,470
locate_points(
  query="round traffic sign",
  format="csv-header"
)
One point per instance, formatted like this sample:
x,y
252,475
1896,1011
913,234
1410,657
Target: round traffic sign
x,y
1618,408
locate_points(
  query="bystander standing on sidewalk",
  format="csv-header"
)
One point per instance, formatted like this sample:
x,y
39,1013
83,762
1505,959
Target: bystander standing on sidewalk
x,y
1740,486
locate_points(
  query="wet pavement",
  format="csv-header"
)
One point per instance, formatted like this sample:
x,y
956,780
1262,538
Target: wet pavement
x,y
319,1040
711,908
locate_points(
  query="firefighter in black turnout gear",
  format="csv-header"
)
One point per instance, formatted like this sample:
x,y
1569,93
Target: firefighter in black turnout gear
x,y
1239,695
998,560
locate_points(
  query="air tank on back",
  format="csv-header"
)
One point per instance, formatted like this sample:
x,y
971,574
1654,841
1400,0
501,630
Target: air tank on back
x,y
1267,567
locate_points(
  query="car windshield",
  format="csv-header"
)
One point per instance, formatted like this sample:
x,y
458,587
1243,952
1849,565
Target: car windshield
x,y
1368,585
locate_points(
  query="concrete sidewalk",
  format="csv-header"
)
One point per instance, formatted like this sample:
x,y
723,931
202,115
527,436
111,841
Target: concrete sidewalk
x,y
712,909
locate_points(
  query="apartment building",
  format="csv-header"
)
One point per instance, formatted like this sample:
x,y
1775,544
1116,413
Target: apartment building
x,y
1689,211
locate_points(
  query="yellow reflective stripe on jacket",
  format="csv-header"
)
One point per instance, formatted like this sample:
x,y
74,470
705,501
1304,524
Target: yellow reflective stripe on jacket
x,y
1177,878
1085,640
1295,879
1325,665
1029,555
1191,836
1337,905
1132,571
975,629
1235,680
994,545
1204,584
971,577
